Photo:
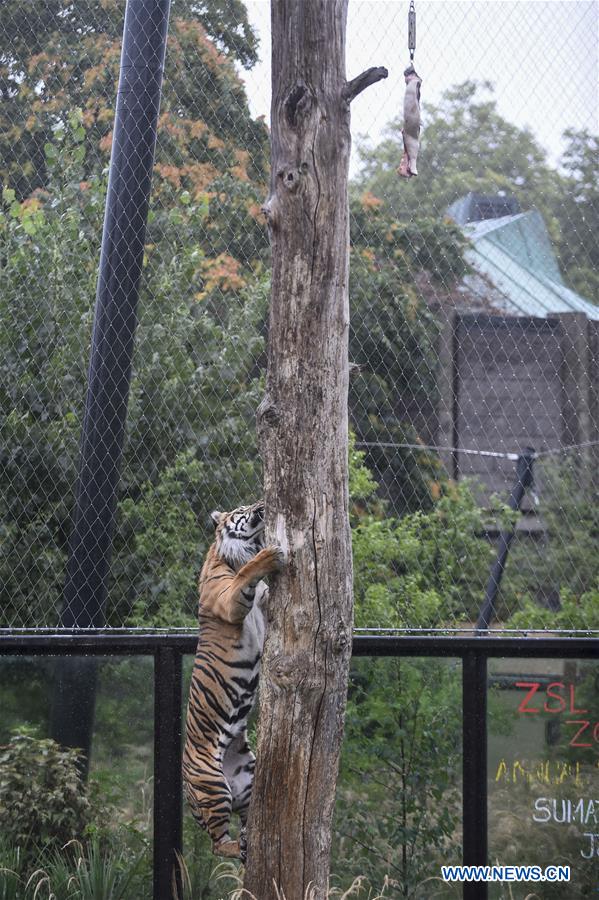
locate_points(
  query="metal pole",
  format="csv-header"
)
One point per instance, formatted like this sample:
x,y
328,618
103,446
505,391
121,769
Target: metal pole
x,y
168,783
131,164
474,762
524,480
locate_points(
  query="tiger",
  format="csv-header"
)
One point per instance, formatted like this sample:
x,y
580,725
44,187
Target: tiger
x,y
218,765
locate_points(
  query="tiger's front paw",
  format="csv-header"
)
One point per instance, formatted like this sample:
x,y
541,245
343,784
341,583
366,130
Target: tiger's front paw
x,y
279,557
270,559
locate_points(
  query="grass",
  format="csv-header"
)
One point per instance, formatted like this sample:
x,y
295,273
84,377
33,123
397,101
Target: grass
x,y
227,871
85,872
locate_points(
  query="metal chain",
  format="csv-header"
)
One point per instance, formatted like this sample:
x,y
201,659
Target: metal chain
x,y
412,30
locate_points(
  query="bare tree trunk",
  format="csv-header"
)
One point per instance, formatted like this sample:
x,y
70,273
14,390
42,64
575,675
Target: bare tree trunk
x,y
303,430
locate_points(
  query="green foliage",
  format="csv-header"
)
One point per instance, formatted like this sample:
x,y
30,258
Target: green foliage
x,y
407,245
398,799
90,871
43,801
424,570
569,505
579,612
95,874
190,443
393,334
24,696
114,836
565,564
12,870
48,255
362,485
466,146
59,73
59,57
579,213
393,339
190,433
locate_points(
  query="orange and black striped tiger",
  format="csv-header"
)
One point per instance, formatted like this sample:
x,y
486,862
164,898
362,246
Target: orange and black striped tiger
x,y
218,765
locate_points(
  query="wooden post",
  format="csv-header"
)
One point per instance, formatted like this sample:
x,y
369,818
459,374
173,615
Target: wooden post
x,y
447,380
576,374
303,430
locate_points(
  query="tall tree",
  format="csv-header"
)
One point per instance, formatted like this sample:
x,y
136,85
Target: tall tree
x,y
190,443
304,434
192,393
58,56
579,211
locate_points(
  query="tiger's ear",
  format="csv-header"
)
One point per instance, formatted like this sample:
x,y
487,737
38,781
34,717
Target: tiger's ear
x,y
216,516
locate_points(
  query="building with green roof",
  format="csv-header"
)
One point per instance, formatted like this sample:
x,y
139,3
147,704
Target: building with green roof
x,y
515,268
519,355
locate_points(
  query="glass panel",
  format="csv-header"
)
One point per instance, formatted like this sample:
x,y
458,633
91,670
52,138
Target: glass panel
x,y
52,820
399,813
543,772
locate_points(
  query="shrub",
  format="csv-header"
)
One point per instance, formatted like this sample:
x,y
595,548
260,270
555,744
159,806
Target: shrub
x,y
43,801
565,563
424,570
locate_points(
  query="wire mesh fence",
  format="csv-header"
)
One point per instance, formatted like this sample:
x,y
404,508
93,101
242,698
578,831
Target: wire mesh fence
x,y
473,292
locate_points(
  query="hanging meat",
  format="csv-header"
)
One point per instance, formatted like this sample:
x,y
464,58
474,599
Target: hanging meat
x,y
411,123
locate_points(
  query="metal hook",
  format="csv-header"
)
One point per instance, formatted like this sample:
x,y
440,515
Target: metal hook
x,y
412,29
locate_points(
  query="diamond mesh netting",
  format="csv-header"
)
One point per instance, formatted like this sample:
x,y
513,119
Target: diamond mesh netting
x,y
473,291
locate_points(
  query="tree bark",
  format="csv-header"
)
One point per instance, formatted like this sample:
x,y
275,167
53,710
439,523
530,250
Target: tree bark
x,y
303,430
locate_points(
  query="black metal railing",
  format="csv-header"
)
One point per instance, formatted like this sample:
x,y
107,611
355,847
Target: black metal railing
x,y
167,650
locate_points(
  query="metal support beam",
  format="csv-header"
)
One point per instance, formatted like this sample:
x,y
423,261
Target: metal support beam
x,y
168,785
474,761
113,641
115,322
524,480
131,164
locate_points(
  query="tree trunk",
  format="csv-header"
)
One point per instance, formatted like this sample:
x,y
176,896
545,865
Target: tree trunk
x,y
302,423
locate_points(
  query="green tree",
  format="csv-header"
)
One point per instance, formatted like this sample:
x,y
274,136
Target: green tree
x,y
398,801
193,393
43,803
199,346
565,564
393,341
579,213
426,569
61,56
190,441
192,402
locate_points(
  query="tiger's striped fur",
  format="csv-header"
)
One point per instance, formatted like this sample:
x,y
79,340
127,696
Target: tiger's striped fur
x,y
218,764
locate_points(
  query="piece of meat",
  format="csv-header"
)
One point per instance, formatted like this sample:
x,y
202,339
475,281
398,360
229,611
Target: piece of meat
x,y
411,124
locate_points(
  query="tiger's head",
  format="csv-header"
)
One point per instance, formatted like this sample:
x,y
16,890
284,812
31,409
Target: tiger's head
x,y
239,534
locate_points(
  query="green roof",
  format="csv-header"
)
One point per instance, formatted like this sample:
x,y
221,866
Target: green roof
x,y
514,254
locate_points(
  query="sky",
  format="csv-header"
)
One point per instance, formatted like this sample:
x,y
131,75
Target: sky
x,y
542,58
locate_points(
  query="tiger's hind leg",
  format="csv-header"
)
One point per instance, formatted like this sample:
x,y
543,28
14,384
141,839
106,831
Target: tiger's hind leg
x,y
210,800
238,765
